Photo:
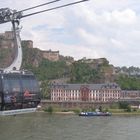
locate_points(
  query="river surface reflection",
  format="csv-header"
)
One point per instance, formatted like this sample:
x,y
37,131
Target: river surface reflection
x,y
40,126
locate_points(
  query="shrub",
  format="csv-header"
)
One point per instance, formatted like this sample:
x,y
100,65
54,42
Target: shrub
x,y
49,109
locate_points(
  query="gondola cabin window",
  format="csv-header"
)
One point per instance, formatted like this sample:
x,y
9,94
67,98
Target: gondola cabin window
x,y
18,91
12,88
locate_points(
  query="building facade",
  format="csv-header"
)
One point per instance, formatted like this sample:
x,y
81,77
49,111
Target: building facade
x,y
85,92
51,55
130,94
27,43
7,40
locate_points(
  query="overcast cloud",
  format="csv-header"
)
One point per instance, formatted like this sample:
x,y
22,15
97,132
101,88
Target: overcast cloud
x,y
93,29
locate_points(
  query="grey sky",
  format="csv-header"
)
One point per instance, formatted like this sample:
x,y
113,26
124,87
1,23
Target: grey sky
x,y
94,29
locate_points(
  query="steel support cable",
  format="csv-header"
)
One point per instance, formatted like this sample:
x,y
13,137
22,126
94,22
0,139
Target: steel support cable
x,y
38,6
54,8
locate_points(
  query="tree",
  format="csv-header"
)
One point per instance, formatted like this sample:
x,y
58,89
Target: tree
x,y
125,106
128,83
45,89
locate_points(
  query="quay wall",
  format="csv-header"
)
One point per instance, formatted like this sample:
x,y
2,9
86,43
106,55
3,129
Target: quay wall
x,y
83,104
73,104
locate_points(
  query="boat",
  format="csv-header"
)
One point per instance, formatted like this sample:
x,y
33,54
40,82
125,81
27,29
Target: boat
x,y
95,114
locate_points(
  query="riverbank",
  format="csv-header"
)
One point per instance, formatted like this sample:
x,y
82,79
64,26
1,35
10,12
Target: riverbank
x,y
68,111
126,114
113,114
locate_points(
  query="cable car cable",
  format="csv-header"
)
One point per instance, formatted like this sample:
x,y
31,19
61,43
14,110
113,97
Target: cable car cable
x,y
38,6
54,8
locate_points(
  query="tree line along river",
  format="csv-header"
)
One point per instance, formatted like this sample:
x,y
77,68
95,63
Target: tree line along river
x,y
41,126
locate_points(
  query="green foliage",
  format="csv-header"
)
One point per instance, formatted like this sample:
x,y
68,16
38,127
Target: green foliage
x,y
78,72
44,69
65,110
134,110
76,110
45,89
49,109
114,106
128,83
53,70
82,73
106,110
128,109
125,106
100,108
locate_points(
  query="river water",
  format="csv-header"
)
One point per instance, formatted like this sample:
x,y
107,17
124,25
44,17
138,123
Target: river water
x,y
40,126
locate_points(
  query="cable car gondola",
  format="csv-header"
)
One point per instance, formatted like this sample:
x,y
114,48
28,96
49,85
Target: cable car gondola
x,y
19,92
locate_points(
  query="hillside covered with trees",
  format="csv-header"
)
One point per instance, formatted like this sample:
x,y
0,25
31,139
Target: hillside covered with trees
x,y
81,71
